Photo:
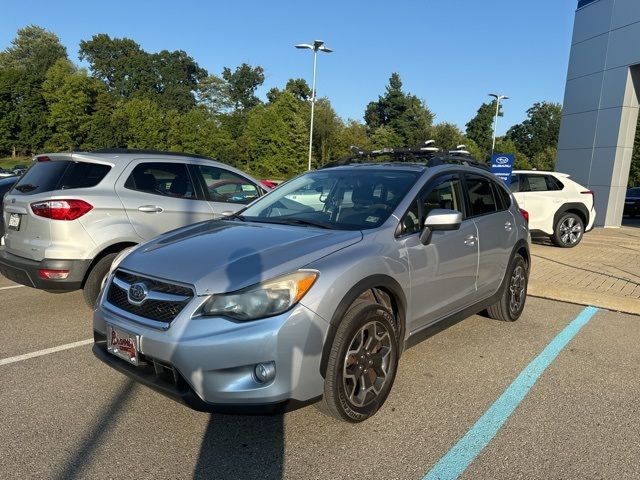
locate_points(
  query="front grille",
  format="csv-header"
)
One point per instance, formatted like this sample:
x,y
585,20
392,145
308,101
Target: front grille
x,y
158,310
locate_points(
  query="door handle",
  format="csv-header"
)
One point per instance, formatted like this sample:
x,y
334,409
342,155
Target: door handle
x,y
507,226
150,209
470,240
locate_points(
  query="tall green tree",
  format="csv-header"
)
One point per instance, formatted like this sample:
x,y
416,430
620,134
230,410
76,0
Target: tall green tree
x,y
353,134
142,124
70,95
33,50
243,83
326,129
480,127
213,93
104,131
539,131
403,115
447,135
276,137
170,78
198,132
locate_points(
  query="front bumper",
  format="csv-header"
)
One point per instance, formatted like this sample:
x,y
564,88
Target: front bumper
x,y
25,271
207,363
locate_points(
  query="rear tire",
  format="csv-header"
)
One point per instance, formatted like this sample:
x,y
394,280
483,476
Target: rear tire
x,y
97,275
511,303
362,363
569,231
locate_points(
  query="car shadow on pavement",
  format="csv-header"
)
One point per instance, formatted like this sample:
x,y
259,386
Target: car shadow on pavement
x,y
242,447
91,442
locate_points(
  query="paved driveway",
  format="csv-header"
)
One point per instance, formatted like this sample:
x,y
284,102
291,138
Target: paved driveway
x,y
603,270
66,415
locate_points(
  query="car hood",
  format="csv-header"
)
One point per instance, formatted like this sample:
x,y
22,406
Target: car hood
x,y
224,256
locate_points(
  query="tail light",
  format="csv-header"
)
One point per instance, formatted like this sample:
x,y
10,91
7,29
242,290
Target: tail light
x,y
525,214
43,158
593,196
61,209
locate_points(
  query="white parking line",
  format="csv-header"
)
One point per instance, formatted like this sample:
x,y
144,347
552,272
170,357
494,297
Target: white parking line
x,y
12,286
46,351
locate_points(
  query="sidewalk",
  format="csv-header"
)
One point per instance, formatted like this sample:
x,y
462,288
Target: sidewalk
x,y
603,271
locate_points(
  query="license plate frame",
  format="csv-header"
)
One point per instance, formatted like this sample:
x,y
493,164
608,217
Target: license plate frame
x,y
15,219
123,344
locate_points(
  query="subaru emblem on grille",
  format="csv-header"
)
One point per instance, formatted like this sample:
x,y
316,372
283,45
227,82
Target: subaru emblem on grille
x,y
137,293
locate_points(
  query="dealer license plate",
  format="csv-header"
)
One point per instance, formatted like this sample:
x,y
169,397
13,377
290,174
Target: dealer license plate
x,y
123,344
14,221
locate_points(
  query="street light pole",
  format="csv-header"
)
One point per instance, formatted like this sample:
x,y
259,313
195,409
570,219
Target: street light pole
x,y
317,45
313,103
495,121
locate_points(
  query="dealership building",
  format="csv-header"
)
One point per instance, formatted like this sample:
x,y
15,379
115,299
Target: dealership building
x,y
600,110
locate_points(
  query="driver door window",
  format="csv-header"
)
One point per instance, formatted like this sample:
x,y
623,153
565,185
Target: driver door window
x,y
446,193
226,187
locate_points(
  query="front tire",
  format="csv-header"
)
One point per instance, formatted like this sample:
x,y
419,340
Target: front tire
x,y
362,363
568,231
511,303
95,278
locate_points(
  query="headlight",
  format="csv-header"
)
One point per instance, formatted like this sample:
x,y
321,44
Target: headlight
x,y
265,299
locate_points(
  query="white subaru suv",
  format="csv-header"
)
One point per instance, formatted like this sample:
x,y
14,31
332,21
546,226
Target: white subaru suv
x,y
558,207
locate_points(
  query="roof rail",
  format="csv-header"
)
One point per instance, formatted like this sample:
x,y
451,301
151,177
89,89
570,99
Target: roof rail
x,y
428,154
149,152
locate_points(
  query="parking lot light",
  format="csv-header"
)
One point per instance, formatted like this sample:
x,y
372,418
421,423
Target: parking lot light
x,y
318,45
495,121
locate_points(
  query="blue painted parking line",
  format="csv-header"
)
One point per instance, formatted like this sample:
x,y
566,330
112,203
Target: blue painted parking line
x,y
468,447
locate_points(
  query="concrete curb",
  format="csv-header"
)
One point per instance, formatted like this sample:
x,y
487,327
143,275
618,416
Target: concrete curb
x,y
584,297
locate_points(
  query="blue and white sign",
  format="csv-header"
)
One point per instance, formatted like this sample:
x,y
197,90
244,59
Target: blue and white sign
x,y
502,166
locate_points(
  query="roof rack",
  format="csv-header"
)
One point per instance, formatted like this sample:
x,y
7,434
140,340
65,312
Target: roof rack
x,y
149,152
428,153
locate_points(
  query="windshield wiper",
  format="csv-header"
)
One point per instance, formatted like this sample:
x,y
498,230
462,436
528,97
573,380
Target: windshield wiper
x,y
301,221
26,188
234,217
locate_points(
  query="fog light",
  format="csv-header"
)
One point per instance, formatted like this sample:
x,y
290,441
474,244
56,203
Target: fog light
x,y
264,372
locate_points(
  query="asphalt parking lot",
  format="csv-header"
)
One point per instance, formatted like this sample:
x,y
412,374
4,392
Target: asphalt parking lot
x,y
65,415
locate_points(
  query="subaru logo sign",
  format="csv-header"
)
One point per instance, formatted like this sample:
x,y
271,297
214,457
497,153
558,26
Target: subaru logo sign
x,y
502,166
137,293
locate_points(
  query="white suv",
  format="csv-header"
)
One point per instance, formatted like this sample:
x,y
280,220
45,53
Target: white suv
x,y
558,207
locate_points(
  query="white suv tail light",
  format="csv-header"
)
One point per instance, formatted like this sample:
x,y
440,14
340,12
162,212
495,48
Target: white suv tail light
x,y
61,209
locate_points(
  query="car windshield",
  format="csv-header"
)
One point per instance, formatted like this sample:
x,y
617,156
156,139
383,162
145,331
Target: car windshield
x,y
337,199
634,192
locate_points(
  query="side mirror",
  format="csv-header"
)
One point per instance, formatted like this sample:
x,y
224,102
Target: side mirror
x,y
439,219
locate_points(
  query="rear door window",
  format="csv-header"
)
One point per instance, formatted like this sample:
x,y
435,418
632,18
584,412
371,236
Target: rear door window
x,y
59,175
481,196
540,183
168,179
504,199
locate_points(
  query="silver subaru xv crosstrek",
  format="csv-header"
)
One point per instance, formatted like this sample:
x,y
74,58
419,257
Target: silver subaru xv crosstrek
x,y
71,213
313,291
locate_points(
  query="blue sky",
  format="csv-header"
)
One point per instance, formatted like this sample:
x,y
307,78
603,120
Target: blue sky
x,y
450,53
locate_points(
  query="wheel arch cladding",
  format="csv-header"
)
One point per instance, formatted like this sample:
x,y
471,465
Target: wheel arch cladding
x,y
375,287
115,248
576,208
